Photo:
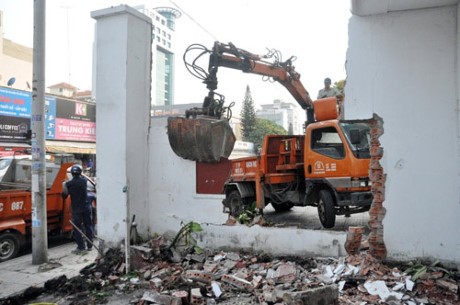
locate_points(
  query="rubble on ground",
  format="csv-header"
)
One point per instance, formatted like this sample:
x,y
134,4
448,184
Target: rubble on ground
x,y
167,275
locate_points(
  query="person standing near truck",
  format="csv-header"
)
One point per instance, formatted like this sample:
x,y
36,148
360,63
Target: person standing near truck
x,y
80,210
328,91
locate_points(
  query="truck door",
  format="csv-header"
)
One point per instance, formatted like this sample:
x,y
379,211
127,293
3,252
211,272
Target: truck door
x,y
325,153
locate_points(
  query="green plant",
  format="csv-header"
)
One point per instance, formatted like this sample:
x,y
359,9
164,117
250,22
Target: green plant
x,y
185,233
418,269
130,275
248,214
99,295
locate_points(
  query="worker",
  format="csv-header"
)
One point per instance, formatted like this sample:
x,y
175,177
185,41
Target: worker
x,y
328,91
80,210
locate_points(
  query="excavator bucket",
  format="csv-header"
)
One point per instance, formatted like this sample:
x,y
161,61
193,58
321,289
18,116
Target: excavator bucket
x,y
200,139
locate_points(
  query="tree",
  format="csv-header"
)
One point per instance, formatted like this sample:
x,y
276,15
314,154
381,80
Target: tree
x,y
248,115
340,85
262,128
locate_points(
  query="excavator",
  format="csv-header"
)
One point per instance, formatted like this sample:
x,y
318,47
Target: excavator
x,y
327,167
204,134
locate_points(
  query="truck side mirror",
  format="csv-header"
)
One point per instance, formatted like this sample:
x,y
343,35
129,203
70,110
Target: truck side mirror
x,y
355,136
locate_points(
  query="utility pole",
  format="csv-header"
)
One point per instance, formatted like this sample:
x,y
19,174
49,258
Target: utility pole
x,y
39,217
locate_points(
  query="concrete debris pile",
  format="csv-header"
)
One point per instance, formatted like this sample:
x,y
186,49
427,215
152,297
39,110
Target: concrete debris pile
x,y
168,276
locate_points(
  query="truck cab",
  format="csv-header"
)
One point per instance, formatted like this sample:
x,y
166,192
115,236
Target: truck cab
x,y
336,166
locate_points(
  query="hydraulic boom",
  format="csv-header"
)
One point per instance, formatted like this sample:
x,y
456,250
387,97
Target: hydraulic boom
x,y
204,134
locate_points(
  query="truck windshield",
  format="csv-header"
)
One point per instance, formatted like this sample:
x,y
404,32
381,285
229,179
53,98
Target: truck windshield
x,y
361,139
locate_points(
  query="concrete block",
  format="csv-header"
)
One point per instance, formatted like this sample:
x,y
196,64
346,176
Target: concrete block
x,y
285,273
196,298
316,296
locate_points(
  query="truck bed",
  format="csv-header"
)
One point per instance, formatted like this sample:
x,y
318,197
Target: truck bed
x,y
280,161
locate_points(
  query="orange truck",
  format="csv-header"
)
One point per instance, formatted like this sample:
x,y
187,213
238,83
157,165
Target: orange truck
x,y
326,167
16,202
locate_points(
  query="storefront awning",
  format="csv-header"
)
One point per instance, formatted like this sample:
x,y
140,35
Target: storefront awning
x,y
12,144
71,147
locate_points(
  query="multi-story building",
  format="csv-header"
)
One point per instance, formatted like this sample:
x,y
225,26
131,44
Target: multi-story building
x,y
288,115
63,89
163,21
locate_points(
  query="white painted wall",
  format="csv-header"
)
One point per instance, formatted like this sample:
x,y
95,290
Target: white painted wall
x,y
175,202
403,67
122,81
173,187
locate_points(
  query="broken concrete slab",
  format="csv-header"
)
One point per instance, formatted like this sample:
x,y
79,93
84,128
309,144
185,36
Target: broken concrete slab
x,y
314,296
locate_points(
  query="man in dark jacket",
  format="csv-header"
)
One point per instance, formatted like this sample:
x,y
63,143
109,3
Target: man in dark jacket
x,y
81,211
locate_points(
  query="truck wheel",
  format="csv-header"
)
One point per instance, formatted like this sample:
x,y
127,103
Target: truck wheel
x,y
9,246
282,207
235,203
326,209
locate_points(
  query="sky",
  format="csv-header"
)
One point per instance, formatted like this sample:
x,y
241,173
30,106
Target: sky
x,y
315,32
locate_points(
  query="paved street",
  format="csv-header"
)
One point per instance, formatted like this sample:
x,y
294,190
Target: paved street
x,y
307,218
18,274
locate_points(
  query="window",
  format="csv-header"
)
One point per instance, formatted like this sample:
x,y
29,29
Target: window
x,y
326,141
158,31
169,36
358,137
157,18
169,45
164,34
158,38
163,22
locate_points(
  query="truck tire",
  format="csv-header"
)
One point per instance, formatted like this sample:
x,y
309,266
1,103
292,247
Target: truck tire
x,y
235,203
282,207
9,246
326,209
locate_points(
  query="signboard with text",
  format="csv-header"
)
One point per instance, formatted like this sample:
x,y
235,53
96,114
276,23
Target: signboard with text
x,y
65,119
13,129
75,121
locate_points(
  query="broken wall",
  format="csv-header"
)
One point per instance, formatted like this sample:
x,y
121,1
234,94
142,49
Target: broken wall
x,y
174,202
403,66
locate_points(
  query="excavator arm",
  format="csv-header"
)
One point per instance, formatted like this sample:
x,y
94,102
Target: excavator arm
x,y
203,135
227,55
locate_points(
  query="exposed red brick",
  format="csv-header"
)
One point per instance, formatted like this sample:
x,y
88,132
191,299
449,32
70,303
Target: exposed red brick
x,y
198,275
353,243
376,174
237,282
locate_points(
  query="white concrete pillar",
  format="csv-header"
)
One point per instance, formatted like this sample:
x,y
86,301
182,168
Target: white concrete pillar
x,y
122,80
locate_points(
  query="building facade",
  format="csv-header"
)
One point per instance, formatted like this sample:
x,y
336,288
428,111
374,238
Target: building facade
x,y
63,89
15,63
288,115
163,60
70,124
